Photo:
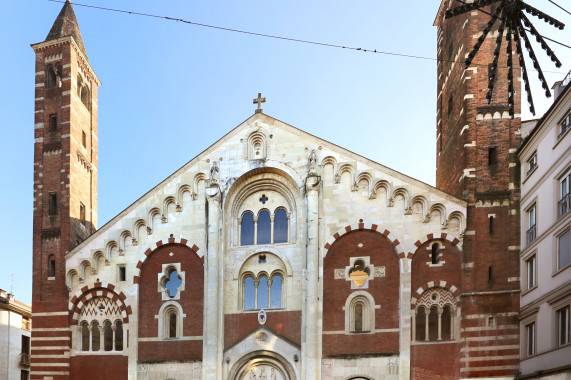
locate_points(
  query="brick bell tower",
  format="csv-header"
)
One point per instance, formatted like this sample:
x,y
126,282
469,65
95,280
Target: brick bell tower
x,y
65,183
476,161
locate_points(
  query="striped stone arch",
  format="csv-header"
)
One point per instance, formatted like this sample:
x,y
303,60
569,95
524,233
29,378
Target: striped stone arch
x,y
98,289
367,226
434,284
150,250
440,236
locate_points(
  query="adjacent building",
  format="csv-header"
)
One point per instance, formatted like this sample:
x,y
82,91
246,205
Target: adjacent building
x,y
15,326
545,158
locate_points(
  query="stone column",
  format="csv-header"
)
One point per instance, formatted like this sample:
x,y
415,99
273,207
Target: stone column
x,y
440,323
212,362
312,357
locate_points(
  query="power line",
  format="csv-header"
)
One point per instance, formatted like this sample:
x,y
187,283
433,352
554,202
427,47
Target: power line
x,y
559,6
325,44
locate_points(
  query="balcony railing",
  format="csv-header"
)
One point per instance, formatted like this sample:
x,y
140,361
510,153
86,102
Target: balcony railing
x,y
25,359
564,205
531,234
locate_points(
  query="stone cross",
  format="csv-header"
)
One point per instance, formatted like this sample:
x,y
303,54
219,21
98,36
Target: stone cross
x,y
259,100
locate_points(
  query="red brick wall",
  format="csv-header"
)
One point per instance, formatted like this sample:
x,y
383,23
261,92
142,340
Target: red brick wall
x,y
385,291
191,300
488,190
97,367
55,170
284,323
449,271
435,361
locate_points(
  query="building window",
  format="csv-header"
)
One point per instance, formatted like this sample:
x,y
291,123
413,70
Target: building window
x,y
531,231
82,213
360,313
83,139
52,205
170,320
118,336
280,226
492,156
433,319
264,228
564,204
24,375
532,164
26,323
53,122
450,103
564,250
531,269
51,77
491,225
563,326
564,125
122,273
262,292
434,254
51,266
530,339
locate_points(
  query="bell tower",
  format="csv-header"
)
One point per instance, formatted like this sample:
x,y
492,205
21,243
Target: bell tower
x,y
476,161
65,183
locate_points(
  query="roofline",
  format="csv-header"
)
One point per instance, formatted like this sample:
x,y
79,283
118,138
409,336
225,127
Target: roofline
x,y
234,130
541,120
71,40
440,10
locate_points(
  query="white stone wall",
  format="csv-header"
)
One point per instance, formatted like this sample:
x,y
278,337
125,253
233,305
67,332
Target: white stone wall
x,y
352,189
11,333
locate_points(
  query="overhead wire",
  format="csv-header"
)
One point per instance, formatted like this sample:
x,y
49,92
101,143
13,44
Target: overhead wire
x,y
559,6
325,44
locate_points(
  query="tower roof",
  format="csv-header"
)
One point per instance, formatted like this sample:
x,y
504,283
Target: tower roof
x,y
66,25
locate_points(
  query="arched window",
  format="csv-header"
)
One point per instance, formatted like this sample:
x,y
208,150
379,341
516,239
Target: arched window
x,y
51,77
358,317
100,326
95,336
51,266
420,324
85,96
107,336
360,312
247,229
434,255
446,320
172,319
433,323
434,316
280,226
85,336
118,336
276,291
249,293
264,228
263,293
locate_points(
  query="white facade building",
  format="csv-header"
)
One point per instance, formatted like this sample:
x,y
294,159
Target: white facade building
x,y
15,325
545,158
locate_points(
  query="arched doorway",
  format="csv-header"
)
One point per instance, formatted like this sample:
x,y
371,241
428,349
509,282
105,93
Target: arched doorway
x,y
262,365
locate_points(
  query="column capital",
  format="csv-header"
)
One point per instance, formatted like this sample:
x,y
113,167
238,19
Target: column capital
x,y
312,183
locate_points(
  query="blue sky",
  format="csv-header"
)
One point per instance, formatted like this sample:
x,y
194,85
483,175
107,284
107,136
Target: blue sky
x,y
170,90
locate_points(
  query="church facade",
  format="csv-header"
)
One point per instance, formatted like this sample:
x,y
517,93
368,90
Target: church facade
x,y
275,254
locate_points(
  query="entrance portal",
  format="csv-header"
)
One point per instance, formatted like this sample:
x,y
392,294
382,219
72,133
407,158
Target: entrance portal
x,y
262,365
